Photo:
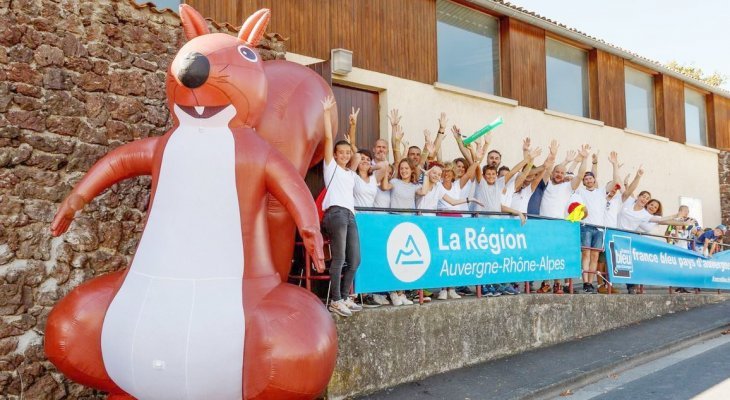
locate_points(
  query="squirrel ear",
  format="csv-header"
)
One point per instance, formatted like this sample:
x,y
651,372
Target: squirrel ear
x,y
193,23
253,29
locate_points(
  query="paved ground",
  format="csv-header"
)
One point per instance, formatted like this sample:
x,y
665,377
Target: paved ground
x,y
701,371
546,372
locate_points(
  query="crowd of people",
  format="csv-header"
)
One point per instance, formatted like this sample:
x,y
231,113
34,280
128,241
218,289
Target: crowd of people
x,y
420,180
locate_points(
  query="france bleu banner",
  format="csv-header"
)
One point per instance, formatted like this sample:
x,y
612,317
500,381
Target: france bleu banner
x,y
643,260
416,252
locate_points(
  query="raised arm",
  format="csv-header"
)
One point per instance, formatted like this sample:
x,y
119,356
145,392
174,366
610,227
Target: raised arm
x,y
129,160
285,184
594,165
616,168
439,136
517,168
549,163
634,184
584,152
352,139
476,151
352,132
460,142
429,148
329,150
395,142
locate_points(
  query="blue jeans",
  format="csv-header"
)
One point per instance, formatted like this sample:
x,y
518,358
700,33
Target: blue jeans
x,y
339,224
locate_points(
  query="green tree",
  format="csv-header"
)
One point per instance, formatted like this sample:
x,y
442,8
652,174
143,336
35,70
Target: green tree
x,y
715,79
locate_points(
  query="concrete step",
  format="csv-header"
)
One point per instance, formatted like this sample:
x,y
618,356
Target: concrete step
x,y
548,372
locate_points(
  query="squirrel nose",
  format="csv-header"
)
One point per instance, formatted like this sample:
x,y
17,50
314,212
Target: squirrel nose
x,y
193,71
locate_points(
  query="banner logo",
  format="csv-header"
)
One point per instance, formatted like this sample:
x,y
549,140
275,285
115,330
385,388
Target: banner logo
x,y
623,262
409,254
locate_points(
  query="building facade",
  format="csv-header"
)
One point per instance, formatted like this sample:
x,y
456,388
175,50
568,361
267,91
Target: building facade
x,y
479,59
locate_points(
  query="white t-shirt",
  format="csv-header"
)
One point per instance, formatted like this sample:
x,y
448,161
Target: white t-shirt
x,y
507,190
382,198
521,199
365,191
431,200
595,202
555,200
629,218
403,194
489,195
613,207
456,193
340,184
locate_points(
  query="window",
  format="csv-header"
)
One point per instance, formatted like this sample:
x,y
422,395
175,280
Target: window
x,y
639,101
468,48
567,78
695,117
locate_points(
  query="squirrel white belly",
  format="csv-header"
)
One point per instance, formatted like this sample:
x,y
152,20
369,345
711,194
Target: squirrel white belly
x,y
167,344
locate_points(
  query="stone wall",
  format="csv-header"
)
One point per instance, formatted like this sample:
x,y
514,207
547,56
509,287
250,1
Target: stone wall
x,y
389,346
724,172
77,79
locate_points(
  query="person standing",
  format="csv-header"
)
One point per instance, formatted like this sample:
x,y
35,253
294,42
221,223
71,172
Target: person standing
x,y
340,162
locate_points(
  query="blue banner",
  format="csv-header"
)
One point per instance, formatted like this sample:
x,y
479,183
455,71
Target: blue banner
x,y
643,260
416,252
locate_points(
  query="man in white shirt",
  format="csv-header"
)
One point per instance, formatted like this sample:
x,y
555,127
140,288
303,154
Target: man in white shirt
x,y
557,193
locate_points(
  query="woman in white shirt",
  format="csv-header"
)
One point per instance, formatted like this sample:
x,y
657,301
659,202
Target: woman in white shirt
x,y
366,186
634,216
340,161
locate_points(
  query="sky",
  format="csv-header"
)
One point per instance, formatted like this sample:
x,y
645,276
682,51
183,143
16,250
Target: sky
x,y
695,33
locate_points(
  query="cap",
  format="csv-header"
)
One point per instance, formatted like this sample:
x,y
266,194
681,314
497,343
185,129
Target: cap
x,y
589,173
721,227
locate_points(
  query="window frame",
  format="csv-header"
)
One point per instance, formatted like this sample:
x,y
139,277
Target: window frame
x,y
497,45
652,86
586,78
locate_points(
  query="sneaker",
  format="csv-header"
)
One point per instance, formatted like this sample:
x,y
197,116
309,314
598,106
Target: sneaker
x,y
396,299
557,289
493,291
380,299
632,291
354,307
369,302
465,291
426,299
427,293
509,290
681,290
587,288
405,300
443,295
544,288
452,294
338,307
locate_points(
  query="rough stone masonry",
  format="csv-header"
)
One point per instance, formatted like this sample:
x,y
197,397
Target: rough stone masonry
x,y
77,79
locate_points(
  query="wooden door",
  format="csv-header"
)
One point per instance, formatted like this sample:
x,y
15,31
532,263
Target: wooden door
x,y
368,121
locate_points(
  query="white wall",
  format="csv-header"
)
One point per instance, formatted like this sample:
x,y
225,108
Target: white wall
x,y
671,169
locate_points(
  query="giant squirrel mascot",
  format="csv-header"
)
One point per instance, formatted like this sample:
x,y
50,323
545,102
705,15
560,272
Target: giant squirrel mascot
x,y
202,313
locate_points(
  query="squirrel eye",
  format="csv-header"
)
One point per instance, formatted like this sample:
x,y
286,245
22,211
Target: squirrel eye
x,y
248,54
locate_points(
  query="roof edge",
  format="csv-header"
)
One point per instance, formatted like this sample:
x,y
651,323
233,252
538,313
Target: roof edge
x,y
521,14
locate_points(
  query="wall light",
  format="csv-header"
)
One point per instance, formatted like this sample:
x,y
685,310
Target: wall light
x,y
341,61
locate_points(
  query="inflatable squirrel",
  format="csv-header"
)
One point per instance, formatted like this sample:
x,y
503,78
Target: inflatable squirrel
x,y
202,312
